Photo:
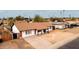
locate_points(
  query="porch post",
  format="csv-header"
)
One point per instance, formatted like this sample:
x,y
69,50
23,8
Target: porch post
x,y
35,32
20,34
42,31
48,30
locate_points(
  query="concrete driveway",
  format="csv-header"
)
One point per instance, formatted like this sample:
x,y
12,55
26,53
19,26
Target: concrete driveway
x,y
37,42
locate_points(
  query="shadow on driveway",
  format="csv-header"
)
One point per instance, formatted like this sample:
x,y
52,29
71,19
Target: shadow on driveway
x,y
71,45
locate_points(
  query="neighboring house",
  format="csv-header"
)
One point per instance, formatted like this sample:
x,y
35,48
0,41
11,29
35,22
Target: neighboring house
x,y
59,25
5,35
77,22
5,22
24,29
1,22
72,24
16,44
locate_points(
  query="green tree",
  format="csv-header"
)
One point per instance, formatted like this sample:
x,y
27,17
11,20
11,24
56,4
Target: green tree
x,y
56,19
51,19
38,18
10,18
73,18
19,18
4,18
10,21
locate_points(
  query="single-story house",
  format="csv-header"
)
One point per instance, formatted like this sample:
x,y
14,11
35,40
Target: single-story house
x,y
59,25
72,24
5,22
77,22
24,29
5,35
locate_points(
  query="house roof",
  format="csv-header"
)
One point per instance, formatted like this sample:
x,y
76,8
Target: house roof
x,y
59,23
15,44
23,25
71,22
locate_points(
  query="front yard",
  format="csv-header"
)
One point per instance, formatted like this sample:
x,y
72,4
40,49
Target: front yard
x,y
48,40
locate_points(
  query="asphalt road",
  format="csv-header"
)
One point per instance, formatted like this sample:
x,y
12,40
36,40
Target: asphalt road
x,y
71,45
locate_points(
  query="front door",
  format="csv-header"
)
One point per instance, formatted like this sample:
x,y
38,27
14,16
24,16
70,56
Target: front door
x,y
53,27
14,35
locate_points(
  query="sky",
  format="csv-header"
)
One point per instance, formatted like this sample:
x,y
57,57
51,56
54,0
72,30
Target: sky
x,y
43,13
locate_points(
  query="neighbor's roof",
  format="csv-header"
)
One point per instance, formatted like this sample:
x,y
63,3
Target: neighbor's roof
x,y
58,23
15,44
23,25
71,22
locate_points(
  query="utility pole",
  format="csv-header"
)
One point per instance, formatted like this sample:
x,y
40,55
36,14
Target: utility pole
x,y
63,13
69,15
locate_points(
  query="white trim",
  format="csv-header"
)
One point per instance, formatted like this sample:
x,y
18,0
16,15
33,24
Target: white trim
x,y
15,30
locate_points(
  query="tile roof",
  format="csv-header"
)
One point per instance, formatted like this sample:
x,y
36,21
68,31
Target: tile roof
x,y
23,25
58,23
15,44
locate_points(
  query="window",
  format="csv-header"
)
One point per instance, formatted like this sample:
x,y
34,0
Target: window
x,y
28,32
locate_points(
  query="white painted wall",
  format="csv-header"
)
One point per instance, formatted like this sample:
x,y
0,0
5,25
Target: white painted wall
x,y
24,34
50,29
27,35
60,26
15,30
32,32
